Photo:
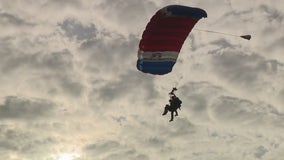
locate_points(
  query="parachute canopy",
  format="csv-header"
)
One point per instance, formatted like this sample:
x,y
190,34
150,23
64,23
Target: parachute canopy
x,y
164,36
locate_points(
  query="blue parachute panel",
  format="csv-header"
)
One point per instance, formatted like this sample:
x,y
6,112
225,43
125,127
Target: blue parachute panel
x,y
189,12
155,67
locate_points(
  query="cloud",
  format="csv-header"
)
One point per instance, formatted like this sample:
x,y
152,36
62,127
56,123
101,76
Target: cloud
x,y
15,139
197,97
239,67
126,16
52,72
117,51
125,87
243,112
55,62
108,149
12,20
62,3
28,109
74,29
244,69
102,146
260,152
272,14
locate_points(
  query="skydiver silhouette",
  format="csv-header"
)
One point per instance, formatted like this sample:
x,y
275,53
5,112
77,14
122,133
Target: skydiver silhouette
x,y
175,103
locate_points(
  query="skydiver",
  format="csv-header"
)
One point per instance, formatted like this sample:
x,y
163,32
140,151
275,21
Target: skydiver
x,y
175,103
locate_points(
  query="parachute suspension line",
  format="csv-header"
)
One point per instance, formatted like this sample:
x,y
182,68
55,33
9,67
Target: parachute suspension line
x,y
177,82
247,37
203,30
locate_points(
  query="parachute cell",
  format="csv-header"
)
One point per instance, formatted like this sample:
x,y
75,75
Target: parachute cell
x,y
164,36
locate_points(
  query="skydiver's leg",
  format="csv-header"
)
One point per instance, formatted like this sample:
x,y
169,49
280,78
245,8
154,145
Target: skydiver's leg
x,y
176,113
172,116
165,110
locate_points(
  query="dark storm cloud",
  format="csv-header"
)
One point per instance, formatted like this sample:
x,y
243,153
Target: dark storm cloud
x,y
74,29
28,109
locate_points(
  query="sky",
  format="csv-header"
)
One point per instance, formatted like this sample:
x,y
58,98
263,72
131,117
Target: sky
x,y
70,90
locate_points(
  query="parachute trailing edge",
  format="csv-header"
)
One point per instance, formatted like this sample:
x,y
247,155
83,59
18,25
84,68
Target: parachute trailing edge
x,y
164,36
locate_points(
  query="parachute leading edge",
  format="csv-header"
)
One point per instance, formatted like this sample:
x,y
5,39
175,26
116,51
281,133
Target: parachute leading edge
x,y
164,36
